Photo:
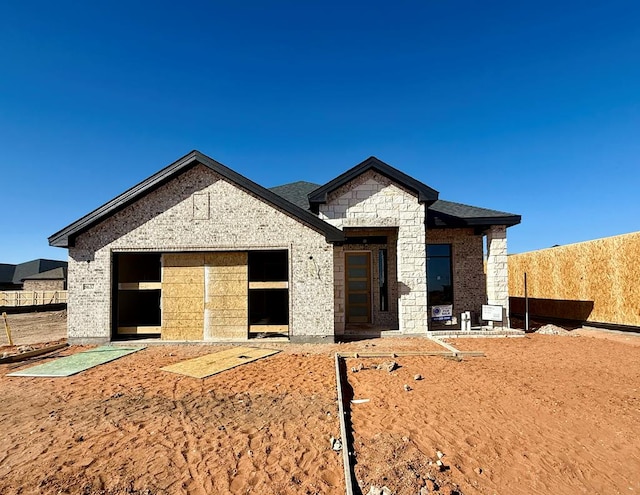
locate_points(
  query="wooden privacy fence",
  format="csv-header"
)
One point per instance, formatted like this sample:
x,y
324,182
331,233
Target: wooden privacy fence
x,y
18,298
594,281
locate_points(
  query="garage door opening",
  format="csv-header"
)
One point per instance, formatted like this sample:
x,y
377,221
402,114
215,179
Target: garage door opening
x,y
137,295
268,294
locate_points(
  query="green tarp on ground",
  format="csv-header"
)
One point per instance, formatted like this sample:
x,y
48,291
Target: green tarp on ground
x,y
70,365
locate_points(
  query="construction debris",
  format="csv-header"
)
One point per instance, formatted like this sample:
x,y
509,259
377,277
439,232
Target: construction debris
x,y
357,368
550,329
336,444
379,490
388,366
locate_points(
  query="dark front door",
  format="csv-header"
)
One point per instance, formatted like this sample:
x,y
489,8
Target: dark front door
x,y
358,290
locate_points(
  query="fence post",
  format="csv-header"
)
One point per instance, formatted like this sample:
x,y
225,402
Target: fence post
x,y
526,305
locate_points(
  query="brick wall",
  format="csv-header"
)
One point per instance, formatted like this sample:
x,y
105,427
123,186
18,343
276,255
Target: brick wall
x,y
199,211
43,285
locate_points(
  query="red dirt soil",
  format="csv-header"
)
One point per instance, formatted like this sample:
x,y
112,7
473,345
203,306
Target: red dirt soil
x,y
541,414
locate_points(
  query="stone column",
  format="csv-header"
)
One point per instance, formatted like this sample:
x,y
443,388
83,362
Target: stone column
x,y
412,279
497,272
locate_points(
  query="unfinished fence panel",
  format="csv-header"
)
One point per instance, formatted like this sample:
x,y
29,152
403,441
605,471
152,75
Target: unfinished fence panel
x,y
594,281
20,298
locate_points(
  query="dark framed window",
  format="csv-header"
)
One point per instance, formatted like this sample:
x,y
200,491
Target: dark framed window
x,y
382,273
439,274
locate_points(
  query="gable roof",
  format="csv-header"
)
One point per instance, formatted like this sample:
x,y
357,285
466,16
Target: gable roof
x,y
441,213
449,214
66,237
425,193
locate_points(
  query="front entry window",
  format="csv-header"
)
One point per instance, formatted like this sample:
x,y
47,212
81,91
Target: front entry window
x,y
439,277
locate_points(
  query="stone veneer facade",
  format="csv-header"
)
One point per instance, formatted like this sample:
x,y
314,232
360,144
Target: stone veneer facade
x,y
371,200
467,265
497,269
198,211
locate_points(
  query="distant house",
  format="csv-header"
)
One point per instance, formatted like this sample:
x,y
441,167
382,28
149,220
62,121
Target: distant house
x,y
12,277
55,279
198,252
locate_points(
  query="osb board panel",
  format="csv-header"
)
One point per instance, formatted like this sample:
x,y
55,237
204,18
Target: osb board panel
x,y
182,276
222,302
229,332
186,305
183,296
553,308
603,272
195,289
227,313
229,321
227,304
239,258
183,260
230,289
208,365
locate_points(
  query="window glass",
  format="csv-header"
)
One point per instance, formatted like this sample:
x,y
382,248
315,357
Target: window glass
x,y
358,285
358,298
357,259
438,249
439,275
382,271
357,272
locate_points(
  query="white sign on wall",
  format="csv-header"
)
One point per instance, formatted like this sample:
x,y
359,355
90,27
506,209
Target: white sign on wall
x,y
441,313
491,313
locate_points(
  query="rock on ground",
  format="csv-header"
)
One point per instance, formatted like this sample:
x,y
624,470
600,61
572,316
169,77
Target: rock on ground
x,y
550,329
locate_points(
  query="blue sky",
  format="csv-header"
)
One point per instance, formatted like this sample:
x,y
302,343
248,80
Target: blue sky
x,y
526,107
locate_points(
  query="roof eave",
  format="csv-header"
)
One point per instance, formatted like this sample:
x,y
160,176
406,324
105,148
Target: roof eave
x,y
452,222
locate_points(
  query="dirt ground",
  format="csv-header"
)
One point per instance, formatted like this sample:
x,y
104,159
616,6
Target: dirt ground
x,y
34,328
540,414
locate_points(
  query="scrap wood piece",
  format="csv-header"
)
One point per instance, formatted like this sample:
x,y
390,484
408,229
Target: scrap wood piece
x,y
81,361
412,353
455,352
16,358
346,445
7,328
217,362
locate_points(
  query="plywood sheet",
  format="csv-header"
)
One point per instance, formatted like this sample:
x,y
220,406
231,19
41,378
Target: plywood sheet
x,y
227,291
217,362
602,272
183,296
70,365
